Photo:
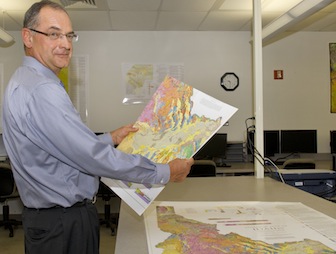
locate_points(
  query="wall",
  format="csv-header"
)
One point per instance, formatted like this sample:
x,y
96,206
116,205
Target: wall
x,y
206,57
300,100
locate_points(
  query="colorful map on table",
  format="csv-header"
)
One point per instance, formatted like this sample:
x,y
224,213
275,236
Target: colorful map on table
x,y
176,123
236,227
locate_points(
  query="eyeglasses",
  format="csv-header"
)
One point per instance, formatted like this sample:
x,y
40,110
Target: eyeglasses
x,y
56,35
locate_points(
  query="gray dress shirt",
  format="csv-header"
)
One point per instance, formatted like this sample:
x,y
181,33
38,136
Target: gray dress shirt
x,y
56,158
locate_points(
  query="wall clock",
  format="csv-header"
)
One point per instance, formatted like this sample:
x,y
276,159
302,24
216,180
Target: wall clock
x,y
229,81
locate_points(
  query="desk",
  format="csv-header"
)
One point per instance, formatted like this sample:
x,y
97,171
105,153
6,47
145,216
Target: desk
x,y
131,236
241,168
236,169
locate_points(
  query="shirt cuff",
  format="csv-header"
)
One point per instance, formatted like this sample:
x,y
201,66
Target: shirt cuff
x,y
106,138
163,173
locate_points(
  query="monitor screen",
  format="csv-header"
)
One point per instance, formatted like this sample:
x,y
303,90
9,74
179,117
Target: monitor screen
x,y
271,142
333,141
3,152
298,141
214,148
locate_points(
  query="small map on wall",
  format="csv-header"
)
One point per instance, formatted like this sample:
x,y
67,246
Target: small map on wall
x,y
332,52
141,80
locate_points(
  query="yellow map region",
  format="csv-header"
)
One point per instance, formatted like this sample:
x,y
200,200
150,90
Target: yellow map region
x,y
167,128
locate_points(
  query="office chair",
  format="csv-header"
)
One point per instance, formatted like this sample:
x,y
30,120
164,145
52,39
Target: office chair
x,y
7,191
203,168
106,194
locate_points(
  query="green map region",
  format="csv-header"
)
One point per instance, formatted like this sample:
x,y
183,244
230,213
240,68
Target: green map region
x,y
168,127
190,236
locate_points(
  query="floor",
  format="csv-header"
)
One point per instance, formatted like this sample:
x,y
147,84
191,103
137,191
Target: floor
x,y
11,245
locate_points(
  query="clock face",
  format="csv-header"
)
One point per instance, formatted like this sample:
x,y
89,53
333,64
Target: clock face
x,y
229,81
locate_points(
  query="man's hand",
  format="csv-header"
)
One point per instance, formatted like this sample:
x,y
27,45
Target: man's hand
x,y
179,169
119,134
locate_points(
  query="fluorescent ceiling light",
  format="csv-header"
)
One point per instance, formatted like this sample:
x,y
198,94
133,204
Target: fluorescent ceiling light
x,y
6,37
279,6
276,25
306,6
294,15
234,5
267,5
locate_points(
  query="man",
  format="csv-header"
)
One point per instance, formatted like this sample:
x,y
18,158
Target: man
x,y
56,159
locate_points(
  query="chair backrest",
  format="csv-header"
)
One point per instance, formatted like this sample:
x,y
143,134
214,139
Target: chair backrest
x,y
7,184
203,168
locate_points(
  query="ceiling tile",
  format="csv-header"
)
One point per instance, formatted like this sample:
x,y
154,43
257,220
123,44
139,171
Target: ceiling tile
x,y
281,6
226,20
180,20
181,15
100,5
330,8
134,5
128,20
234,5
10,5
187,5
90,20
13,20
330,28
268,17
317,22
267,5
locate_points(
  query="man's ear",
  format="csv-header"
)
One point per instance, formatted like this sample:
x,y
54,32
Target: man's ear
x,y
27,37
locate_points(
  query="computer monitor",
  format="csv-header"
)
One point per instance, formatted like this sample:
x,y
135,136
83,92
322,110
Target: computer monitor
x,y
3,152
250,142
332,141
271,142
214,148
298,141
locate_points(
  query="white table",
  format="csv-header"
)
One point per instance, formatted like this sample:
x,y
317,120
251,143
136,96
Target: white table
x,y
131,235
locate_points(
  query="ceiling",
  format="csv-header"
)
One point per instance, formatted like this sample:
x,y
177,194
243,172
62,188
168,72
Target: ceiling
x,y
171,15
